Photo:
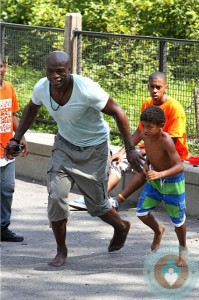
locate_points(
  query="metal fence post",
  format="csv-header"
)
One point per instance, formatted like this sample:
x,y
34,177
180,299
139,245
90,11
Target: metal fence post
x,y
196,107
162,56
73,22
2,38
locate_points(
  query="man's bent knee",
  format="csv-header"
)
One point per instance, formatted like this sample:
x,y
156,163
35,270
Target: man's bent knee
x,y
57,210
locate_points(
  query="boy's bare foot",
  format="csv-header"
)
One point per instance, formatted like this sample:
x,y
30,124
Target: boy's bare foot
x,y
119,238
157,239
59,260
183,257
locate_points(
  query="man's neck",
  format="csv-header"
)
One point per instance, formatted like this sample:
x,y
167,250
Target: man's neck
x,y
162,101
165,98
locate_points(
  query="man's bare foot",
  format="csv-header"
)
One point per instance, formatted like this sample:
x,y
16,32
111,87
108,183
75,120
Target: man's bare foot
x,y
119,238
59,260
183,257
157,239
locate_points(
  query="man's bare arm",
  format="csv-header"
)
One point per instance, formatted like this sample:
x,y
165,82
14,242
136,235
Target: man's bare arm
x,y
114,110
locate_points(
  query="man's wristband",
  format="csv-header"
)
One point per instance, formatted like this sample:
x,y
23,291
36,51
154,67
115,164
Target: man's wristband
x,y
130,148
15,140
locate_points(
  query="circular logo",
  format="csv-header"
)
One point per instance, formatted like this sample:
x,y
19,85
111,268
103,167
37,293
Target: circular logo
x,y
163,276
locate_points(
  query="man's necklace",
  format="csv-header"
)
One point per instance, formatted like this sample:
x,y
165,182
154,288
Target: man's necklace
x,y
60,101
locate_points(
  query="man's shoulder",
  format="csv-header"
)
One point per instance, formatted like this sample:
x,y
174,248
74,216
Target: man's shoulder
x,y
83,80
41,83
172,102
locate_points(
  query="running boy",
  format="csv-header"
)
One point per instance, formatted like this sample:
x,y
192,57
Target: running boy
x,y
165,180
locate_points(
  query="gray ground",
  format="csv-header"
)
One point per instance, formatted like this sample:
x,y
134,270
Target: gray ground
x,y
91,272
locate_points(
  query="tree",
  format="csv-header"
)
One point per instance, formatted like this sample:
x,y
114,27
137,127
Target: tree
x,y
168,18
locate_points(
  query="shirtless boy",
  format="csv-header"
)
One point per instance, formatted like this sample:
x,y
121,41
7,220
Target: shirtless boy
x,y
165,180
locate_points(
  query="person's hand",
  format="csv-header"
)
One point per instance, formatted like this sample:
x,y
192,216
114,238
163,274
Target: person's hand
x,y
135,159
14,149
25,146
151,175
117,157
146,168
143,151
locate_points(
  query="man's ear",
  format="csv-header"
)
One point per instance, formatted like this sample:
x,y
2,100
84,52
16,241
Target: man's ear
x,y
162,125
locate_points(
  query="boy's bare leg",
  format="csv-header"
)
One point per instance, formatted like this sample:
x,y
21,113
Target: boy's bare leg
x,y
134,184
183,251
121,229
158,229
113,180
59,230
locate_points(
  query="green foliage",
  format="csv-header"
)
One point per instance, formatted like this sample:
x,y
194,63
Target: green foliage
x,y
16,11
116,140
193,148
168,18
44,127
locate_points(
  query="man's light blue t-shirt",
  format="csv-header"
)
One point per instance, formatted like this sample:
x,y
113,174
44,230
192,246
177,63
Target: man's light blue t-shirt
x,y
80,121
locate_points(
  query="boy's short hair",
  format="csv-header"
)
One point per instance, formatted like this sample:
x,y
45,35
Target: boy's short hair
x,y
153,114
157,75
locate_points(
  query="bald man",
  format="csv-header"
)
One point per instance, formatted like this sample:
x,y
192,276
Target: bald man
x,y
80,152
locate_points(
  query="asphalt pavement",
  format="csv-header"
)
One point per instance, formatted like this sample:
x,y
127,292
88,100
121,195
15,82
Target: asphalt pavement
x,y
90,272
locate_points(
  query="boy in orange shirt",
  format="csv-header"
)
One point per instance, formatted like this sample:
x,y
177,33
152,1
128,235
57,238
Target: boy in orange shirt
x,y
175,126
8,107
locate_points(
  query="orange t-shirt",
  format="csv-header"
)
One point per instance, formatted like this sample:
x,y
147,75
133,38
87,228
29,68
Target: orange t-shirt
x,y
175,124
8,106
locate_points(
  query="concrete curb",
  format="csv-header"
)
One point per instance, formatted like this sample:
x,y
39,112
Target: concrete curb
x,y
40,145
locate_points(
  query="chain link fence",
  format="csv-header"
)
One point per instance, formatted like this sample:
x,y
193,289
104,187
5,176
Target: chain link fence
x,y
120,63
